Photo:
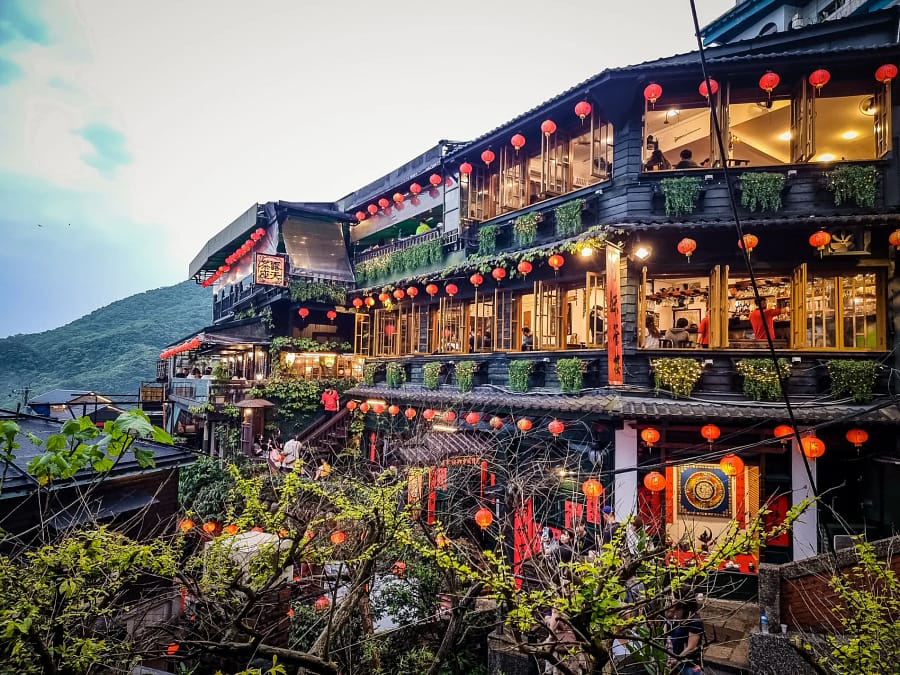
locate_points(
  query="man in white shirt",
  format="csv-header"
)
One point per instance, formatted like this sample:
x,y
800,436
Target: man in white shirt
x,y
291,452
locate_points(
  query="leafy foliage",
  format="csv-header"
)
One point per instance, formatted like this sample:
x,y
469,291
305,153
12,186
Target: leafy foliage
x,y
570,373
431,374
853,378
465,372
205,489
395,374
406,259
519,370
305,344
679,374
681,194
762,190
854,182
568,217
487,239
761,379
525,228
302,289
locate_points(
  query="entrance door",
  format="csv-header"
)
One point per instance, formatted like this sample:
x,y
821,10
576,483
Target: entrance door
x,y
594,310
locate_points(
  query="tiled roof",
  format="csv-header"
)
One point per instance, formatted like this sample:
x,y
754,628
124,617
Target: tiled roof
x,y
763,223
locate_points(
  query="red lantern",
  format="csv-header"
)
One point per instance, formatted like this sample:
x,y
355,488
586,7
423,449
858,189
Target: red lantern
x,y
517,141
524,268
390,329
857,436
364,407
652,92
713,85
371,208
749,242
886,73
465,168
451,289
377,408
650,436
476,280
399,294
351,405
435,179
655,481
449,416
484,517
592,488
370,301
338,537
731,465
415,188
393,409
172,648
322,603
583,109
383,203
410,413
556,261
230,529
769,81
398,198
812,447
687,246
548,127
431,289
384,297
473,418
331,314
524,424
496,422
186,524
209,527
710,432
428,414
894,239
399,568
303,312
412,291
488,156
499,273
819,78
820,240
556,427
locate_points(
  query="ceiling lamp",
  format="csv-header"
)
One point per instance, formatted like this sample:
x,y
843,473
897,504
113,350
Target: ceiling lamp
x,y
499,273
415,188
592,488
525,267
394,409
398,198
488,156
556,261
819,78
372,209
410,413
435,179
731,465
813,447
548,127
465,168
517,141
652,92
857,437
583,109
303,312
894,239
650,436
820,240
886,73
412,291
556,427
476,280
431,289
749,242
451,289
484,517
686,247
713,86
524,424
710,432
655,481
331,314
473,418
383,203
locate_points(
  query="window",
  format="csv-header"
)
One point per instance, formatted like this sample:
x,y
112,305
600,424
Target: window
x,y
844,312
664,301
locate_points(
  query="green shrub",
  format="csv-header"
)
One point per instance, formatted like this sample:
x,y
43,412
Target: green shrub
x,y
853,378
570,373
568,217
525,228
519,370
465,371
681,194
761,379
680,375
432,373
395,374
854,182
487,239
762,190
369,373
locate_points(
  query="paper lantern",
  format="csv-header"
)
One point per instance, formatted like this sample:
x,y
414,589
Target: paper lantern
x,y
524,268
713,85
412,291
686,247
710,432
476,280
465,168
371,208
886,73
390,329
819,240
370,301
431,289
548,127
592,488
357,302
230,529
894,239
322,603
655,481
488,156
394,409
484,517
583,109
524,424
749,242
410,413
857,437
517,141
384,297
819,78
399,568
377,408
473,418
256,528
186,524
172,648
451,289
415,188
428,413
383,203
768,82
303,312
449,416
731,465
399,293
435,179
556,261
812,447
652,92
209,527
351,405
496,422
556,427
650,436
338,537
331,314
499,273
364,407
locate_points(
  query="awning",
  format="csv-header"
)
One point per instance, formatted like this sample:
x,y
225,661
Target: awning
x,y
437,445
255,403
108,506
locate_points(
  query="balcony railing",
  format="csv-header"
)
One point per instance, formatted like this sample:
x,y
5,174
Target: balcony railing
x,y
447,239
193,391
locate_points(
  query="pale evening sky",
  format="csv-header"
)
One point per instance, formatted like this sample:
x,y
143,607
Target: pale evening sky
x,y
132,131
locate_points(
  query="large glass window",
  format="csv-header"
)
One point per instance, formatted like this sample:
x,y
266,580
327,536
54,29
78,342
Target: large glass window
x,y
845,312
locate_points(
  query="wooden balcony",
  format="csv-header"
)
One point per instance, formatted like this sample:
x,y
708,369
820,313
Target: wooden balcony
x,y
191,392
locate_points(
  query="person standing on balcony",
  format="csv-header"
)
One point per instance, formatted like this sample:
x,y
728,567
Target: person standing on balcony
x,y
703,333
330,400
760,314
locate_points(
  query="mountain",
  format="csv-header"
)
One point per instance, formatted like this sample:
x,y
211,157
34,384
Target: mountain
x,y
108,351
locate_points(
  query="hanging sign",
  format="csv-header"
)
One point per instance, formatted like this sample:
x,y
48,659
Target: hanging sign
x,y
613,316
271,270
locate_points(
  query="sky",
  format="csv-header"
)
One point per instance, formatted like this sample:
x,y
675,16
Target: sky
x,y
133,131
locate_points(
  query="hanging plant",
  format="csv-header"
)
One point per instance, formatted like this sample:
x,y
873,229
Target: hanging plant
x,y
395,375
571,373
487,239
519,370
853,181
568,217
369,373
853,378
432,372
681,194
525,228
761,379
302,290
679,375
465,372
762,190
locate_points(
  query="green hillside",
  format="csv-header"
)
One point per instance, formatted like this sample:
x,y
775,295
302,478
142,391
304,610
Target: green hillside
x,y
110,350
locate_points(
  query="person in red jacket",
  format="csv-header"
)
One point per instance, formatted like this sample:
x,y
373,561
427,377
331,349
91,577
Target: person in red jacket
x,y
760,314
330,400
703,332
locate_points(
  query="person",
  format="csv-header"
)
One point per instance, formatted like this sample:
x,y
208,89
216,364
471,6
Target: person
x,y
687,160
679,335
756,320
330,401
291,452
451,344
195,374
258,446
275,455
651,333
275,441
610,524
596,325
181,372
635,537
207,373
684,637
703,333
657,162
565,552
527,339
585,544
486,340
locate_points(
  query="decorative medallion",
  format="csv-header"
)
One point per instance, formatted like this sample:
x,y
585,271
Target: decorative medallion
x,y
705,491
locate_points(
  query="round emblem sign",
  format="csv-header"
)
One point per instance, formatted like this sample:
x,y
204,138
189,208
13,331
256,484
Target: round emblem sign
x,y
704,490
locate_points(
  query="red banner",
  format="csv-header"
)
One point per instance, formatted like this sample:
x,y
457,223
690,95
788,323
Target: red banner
x,y
613,316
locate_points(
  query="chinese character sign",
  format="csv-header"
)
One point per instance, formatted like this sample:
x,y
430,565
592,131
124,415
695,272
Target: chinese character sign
x,y
613,316
271,270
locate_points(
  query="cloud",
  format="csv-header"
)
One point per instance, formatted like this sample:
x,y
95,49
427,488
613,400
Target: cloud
x,y
18,21
9,71
109,147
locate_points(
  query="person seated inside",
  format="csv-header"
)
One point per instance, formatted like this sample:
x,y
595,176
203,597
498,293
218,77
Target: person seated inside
x,y
756,320
196,374
687,160
657,162
679,336
527,339
449,342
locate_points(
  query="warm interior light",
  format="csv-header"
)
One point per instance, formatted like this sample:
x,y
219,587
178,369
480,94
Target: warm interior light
x,y
786,136
867,106
825,157
587,252
446,428
376,401
642,252
289,358
850,135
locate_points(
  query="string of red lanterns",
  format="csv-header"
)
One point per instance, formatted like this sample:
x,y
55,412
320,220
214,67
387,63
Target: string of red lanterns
x,y
235,257
193,343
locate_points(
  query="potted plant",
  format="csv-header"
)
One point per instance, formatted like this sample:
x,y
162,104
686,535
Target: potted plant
x,y
568,217
220,371
853,378
519,370
487,239
853,182
680,374
525,228
570,373
369,373
761,379
762,190
395,375
681,194
431,373
465,371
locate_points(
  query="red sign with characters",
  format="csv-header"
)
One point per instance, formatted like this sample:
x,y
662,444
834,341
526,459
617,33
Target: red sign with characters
x,y
613,316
